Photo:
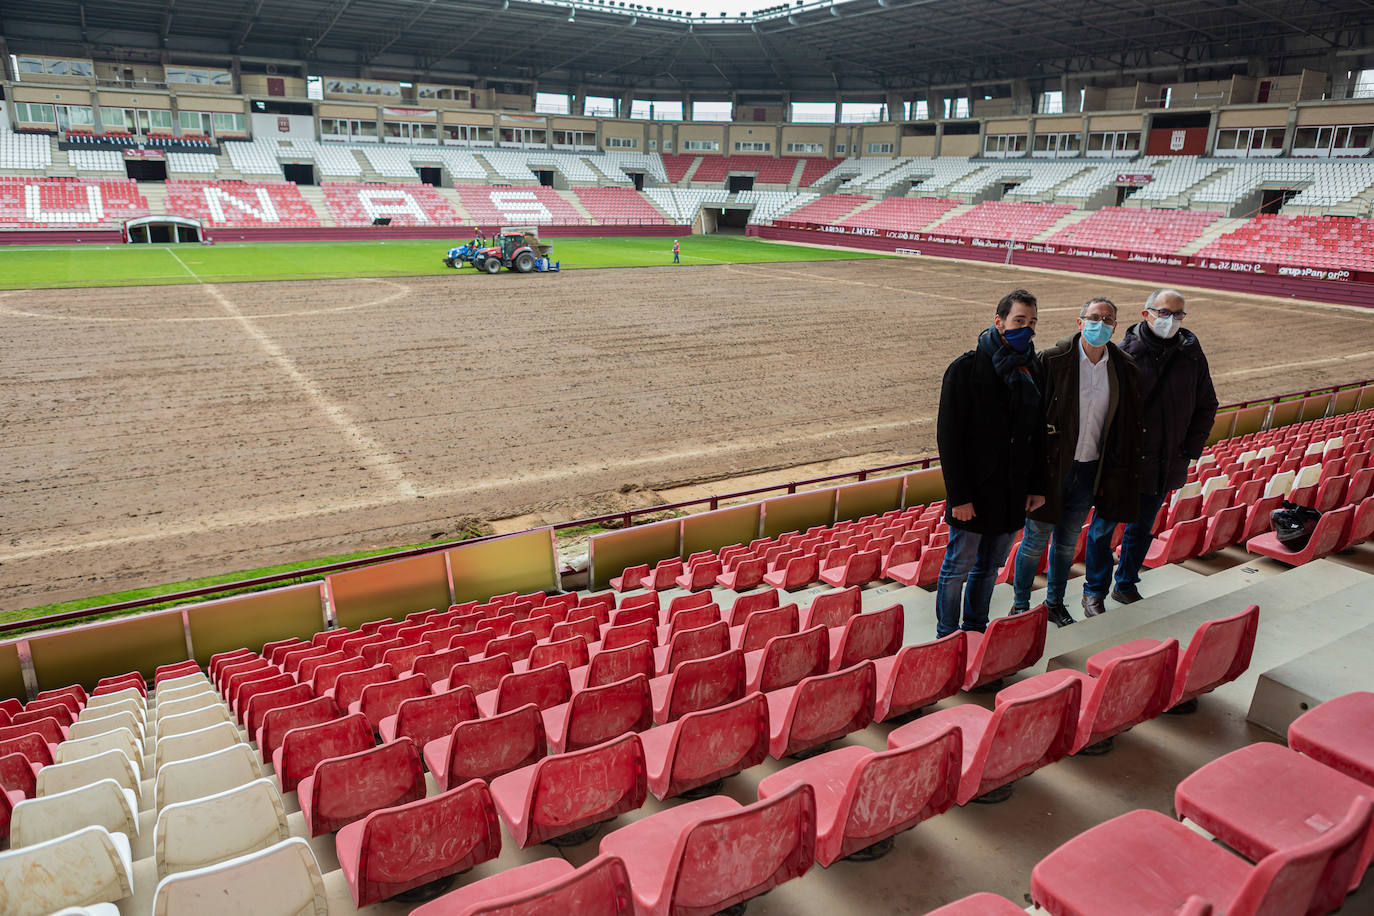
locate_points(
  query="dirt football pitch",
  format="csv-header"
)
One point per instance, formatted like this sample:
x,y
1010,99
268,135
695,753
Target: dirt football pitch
x,y
155,434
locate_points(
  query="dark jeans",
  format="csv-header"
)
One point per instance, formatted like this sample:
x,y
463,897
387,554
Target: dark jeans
x,y
1076,498
972,561
1134,545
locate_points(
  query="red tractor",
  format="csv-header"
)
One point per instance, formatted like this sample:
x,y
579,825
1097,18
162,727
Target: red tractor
x,y
515,249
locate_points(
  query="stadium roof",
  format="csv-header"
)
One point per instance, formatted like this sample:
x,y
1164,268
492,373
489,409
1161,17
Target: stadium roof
x,y
812,49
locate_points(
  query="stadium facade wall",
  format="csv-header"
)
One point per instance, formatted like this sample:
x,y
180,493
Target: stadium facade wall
x,y
1285,281
326,234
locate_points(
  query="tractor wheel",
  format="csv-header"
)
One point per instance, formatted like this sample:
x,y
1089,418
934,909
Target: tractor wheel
x,y
491,265
524,262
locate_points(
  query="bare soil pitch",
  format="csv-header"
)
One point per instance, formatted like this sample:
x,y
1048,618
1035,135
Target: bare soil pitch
x,y
155,434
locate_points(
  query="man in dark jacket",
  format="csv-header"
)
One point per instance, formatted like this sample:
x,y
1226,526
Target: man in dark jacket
x,y
1092,449
1179,407
992,446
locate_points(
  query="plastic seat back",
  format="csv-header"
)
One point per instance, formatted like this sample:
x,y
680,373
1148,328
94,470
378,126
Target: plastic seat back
x,y
88,728
714,743
372,653
327,676
705,683
262,703
378,701
874,634
1129,690
34,747
116,765
89,866
828,706
1024,735
701,642
1292,880
692,617
277,722
282,880
195,720
892,791
572,652
763,625
306,671
481,675
219,826
597,714
1361,525
634,612
249,689
16,775
397,849
403,657
1224,529
517,646
544,687
348,787
348,689
1218,653
46,728
217,771
611,665
303,747
585,627
712,871
424,719
121,739
787,660
755,601
547,886
832,609
799,572
1010,644
923,674
573,790
489,747
103,803
620,635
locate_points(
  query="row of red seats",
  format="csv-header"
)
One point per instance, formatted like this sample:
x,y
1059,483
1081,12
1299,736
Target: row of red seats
x,y
1000,219
1135,229
619,206
69,202
358,204
241,203
901,214
1316,241
491,205
828,209
1301,814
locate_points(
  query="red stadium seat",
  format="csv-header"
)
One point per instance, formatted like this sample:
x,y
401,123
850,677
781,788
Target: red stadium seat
x,y
599,714
697,684
704,747
599,888
1010,644
1334,733
820,708
487,748
344,788
920,675
306,745
430,717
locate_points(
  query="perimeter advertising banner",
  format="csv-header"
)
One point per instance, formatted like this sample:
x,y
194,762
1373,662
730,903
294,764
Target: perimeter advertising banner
x,y
1254,268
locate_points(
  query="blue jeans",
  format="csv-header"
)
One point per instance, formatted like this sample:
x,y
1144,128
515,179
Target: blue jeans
x,y
1134,545
1076,497
972,561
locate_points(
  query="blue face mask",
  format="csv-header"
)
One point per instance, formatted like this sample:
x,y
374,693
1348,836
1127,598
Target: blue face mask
x,y
1018,338
1097,333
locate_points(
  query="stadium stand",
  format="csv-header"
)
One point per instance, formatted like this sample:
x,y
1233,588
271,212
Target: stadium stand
x,y
618,206
192,163
54,203
771,205
24,152
615,164
829,208
676,167
903,214
96,160
1005,220
1312,241
357,204
815,169
1160,231
682,204
1175,177
498,205
766,169
241,203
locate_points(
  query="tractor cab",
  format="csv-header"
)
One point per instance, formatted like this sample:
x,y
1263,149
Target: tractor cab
x,y
517,249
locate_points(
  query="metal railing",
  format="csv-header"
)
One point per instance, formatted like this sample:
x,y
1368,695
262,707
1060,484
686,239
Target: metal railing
x,y
625,518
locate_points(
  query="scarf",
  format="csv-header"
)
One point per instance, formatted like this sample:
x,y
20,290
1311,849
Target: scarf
x,y
1013,367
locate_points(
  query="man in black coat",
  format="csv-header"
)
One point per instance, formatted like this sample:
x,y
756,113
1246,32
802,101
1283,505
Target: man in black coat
x,y
992,444
1092,449
1179,407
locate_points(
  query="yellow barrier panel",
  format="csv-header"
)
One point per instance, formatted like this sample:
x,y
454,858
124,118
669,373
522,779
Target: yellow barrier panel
x,y
1346,401
1222,426
1314,408
1250,420
11,674
924,487
85,654
798,512
1285,413
389,589
612,552
1366,397
720,527
254,619
524,562
868,497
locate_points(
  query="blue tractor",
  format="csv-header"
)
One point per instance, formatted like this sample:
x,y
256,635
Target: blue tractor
x,y
459,256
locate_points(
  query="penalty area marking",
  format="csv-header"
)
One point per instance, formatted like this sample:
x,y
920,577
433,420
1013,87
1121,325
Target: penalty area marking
x,y
178,259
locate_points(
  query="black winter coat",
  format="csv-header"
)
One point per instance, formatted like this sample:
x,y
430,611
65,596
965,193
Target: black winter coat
x,y
1180,404
1116,494
992,447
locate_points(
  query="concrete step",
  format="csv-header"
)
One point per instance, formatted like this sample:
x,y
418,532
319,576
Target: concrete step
x,y
1287,690
456,202
1278,597
1065,221
1210,235
314,195
949,215
576,204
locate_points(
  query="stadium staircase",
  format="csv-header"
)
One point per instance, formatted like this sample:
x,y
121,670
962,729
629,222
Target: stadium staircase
x,y
314,195
369,173
1213,232
155,192
576,204
1360,206
456,202
61,165
1064,222
950,214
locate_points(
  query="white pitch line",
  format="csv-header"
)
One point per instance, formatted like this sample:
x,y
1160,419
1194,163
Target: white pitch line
x,y
178,259
1345,357
225,521
368,449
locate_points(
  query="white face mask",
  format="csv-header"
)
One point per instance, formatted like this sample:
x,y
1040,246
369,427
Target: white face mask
x,y
1165,326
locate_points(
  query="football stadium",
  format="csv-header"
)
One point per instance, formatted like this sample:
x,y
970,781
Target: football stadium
x,y
485,457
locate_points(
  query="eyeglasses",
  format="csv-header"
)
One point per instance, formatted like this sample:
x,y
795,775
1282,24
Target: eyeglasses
x,y
1105,319
1165,313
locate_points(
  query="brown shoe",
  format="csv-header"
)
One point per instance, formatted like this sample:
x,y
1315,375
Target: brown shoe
x,y
1092,606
